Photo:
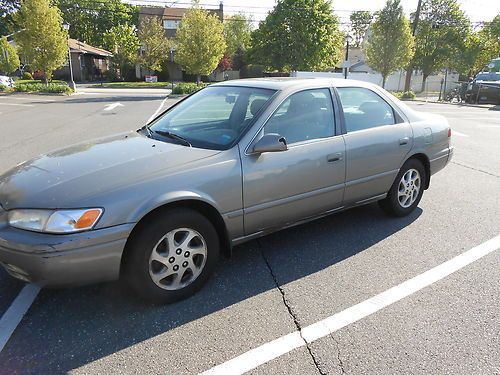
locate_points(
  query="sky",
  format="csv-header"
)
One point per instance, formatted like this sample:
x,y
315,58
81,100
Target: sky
x,y
477,10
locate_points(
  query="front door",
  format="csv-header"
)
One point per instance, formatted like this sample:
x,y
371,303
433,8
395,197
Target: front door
x,y
280,188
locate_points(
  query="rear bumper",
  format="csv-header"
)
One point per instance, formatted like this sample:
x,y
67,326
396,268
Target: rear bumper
x,y
441,161
63,260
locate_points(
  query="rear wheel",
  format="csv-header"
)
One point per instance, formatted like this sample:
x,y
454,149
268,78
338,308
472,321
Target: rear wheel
x,y
171,255
406,191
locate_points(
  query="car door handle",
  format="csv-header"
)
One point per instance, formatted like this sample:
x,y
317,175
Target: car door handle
x,y
404,141
332,158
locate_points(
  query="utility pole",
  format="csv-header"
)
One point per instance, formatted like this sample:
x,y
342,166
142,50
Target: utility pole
x,y
409,70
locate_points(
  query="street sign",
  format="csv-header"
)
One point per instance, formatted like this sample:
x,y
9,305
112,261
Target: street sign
x,y
151,78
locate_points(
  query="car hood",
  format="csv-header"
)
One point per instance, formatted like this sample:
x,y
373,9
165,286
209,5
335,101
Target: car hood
x,y
63,178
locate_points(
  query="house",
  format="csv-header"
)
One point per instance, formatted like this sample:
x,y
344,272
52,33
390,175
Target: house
x,y
170,18
89,63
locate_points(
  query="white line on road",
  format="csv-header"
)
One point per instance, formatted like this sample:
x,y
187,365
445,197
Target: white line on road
x,y
15,312
33,98
157,111
17,104
454,132
271,350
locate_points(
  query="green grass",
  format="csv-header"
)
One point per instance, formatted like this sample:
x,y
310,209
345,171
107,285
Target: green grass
x,y
131,85
29,81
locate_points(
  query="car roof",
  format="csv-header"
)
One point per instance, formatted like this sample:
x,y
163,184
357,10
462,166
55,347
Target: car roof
x,y
282,83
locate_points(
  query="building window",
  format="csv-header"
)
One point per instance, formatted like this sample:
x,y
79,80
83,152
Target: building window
x,y
170,24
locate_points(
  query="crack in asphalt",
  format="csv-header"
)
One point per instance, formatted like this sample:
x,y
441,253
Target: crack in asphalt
x,y
475,169
341,364
290,309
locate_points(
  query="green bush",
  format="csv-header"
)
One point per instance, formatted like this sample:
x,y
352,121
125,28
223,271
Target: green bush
x,y
27,75
404,94
187,88
52,88
4,88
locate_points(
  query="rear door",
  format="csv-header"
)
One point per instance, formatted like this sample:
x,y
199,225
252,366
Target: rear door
x,y
377,141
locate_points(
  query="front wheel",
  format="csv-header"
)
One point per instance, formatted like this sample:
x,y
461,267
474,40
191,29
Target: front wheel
x,y
171,255
406,191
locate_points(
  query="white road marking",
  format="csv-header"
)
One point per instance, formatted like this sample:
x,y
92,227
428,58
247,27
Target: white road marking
x,y
110,107
33,98
157,111
454,132
14,314
271,350
17,104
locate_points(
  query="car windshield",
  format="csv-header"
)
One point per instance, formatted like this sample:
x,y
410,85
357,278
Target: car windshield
x,y
212,118
488,77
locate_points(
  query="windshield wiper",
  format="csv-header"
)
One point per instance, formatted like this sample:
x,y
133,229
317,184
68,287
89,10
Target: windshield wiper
x,y
170,135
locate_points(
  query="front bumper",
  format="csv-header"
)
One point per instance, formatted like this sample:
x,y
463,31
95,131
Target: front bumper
x,y
63,260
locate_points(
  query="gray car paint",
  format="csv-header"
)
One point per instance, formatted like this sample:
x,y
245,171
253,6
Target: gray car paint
x,y
130,175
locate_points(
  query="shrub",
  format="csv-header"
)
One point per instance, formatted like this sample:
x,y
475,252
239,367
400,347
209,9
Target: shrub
x,y
4,88
52,88
408,95
27,75
187,88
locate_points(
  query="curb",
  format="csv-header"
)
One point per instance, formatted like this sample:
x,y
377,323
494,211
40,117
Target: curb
x,y
485,106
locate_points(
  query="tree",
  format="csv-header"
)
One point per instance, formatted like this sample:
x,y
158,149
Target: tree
x,y
123,42
9,60
360,22
237,32
7,10
298,35
466,58
441,32
390,45
155,45
490,44
90,19
200,42
42,42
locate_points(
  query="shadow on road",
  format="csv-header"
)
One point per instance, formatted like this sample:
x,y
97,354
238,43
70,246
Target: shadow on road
x,y
114,98
67,329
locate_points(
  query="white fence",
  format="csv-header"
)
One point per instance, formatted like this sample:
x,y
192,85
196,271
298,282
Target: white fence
x,y
395,82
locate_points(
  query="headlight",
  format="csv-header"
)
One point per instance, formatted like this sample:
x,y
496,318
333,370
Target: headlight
x,y
63,221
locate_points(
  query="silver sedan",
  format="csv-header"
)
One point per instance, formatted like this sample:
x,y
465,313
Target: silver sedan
x,y
230,163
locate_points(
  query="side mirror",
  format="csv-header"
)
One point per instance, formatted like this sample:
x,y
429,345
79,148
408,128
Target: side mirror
x,y
270,143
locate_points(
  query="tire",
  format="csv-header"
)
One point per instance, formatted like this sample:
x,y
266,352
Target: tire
x,y
171,256
401,202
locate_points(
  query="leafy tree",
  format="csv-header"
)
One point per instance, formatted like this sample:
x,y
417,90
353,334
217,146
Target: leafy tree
x,y
9,60
237,32
441,32
465,59
298,35
360,22
42,41
155,45
200,42
123,42
490,44
7,10
90,19
390,45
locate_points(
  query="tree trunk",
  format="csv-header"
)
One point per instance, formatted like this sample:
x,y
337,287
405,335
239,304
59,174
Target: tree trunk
x,y
198,79
384,77
424,78
409,71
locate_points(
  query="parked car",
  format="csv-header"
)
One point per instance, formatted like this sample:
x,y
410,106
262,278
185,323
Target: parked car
x,y
230,163
485,88
6,81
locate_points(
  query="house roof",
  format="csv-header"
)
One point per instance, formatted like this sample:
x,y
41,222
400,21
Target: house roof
x,y
77,46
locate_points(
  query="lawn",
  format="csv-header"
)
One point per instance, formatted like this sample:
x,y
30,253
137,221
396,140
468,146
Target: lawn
x,y
130,85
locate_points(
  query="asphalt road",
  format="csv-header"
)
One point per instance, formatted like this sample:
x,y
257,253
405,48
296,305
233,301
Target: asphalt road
x,y
282,282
